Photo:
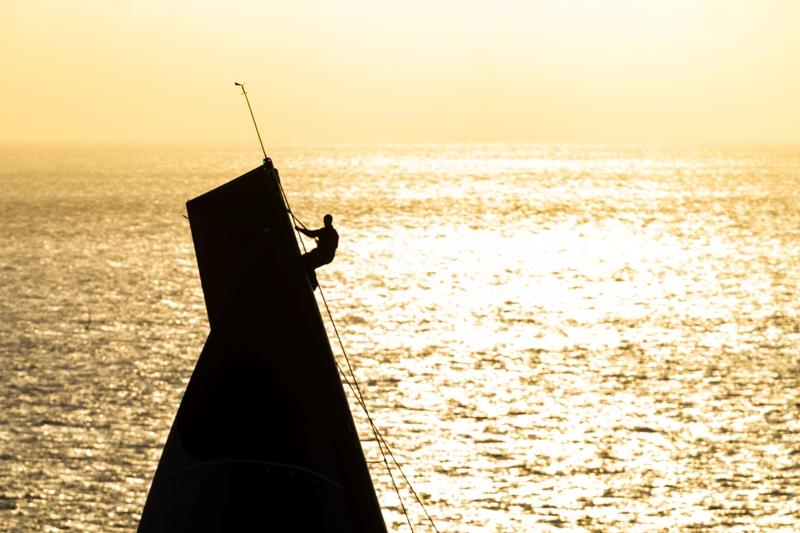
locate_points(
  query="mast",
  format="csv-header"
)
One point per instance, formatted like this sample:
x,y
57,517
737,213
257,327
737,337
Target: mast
x,y
263,439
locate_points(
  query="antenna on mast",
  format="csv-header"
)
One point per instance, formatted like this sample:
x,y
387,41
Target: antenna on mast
x,y
253,117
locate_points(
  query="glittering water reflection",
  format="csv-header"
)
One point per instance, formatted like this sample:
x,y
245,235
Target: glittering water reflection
x,y
552,337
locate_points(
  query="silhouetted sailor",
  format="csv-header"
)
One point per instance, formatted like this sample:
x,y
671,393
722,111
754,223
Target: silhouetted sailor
x,y
327,242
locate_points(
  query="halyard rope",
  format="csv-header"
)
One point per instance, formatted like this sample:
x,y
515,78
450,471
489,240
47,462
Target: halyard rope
x,y
356,390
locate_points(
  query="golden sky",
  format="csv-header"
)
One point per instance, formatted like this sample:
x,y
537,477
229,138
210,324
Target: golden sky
x,y
405,71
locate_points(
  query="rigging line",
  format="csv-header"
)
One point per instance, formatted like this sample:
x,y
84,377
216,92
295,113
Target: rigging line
x,y
363,404
410,486
358,395
288,207
302,244
375,430
357,390
378,439
341,345
298,221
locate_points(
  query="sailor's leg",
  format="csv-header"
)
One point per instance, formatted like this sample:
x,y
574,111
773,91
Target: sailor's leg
x,y
313,259
310,262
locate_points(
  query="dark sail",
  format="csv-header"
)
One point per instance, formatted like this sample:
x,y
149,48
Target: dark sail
x,y
263,439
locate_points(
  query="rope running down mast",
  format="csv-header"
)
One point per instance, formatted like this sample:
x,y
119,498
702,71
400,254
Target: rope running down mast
x,y
354,386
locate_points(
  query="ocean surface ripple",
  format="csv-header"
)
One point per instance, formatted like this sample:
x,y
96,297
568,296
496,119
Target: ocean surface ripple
x,y
551,337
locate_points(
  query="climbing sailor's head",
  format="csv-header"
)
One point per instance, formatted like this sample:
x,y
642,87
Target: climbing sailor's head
x,y
328,220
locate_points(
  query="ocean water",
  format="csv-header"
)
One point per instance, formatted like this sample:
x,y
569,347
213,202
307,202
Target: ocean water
x,y
551,337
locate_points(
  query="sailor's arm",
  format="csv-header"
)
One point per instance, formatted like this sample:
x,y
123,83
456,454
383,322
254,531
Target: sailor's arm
x,y
307,232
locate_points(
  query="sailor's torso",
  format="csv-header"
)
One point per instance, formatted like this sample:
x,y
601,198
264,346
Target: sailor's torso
x,y
328,239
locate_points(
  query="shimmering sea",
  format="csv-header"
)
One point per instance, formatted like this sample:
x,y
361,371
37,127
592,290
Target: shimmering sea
x,y
550,337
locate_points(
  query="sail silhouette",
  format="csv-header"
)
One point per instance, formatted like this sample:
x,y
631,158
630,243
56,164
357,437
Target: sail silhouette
x,y
263,439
